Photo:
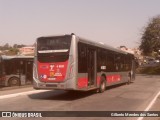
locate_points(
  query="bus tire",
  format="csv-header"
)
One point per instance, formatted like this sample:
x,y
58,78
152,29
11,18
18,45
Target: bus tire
x,y
14,81
102,86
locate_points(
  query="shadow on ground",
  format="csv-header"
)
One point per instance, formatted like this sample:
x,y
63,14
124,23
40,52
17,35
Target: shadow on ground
x,y
67,95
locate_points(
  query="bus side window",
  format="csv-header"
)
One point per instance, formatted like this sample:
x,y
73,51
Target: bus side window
x,y
110,62
82,58
127,63
119,62
122,63
101,60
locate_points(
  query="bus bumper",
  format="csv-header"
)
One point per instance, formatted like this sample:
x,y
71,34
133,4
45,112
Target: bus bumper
x,y
66,85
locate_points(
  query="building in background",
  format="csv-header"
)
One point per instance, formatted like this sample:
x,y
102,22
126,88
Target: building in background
x,y
28,50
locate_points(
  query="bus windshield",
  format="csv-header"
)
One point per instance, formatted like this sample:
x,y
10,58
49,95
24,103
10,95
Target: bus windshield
x,y
53,49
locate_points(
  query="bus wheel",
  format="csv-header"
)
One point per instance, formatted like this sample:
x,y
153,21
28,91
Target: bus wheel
x,y
14,81
102,86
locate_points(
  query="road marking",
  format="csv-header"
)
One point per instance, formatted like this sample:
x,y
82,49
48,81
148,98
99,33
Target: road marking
x,y
22,93
150,104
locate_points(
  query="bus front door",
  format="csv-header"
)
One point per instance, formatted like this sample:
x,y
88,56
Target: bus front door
x,y
91,67
29,71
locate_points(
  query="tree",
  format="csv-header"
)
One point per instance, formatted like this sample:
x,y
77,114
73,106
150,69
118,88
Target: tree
x,y
150,40
19,46
12,51
15,46
6,46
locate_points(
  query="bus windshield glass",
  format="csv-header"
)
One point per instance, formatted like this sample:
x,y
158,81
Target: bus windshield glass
x,y
53,49
54,44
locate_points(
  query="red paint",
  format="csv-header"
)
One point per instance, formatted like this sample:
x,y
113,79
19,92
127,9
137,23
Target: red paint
x,y
109,78
82,82
98,80
3,78
113,78
52,72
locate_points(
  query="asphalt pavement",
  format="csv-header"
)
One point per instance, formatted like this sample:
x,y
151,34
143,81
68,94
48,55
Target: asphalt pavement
x,y
138,96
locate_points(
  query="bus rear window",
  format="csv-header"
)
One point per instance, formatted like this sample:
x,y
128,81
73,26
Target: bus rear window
x,y
54,44
53,49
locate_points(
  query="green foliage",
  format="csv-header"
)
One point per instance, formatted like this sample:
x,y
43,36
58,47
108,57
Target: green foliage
x,y
150,41
149,70
12,51
7,46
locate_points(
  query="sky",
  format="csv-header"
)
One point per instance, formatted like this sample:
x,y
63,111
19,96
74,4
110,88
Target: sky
x,y
113,22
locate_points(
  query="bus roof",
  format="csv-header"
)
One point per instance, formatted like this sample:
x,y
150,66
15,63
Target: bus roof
x,y
5,57
50,36
97,44
102,45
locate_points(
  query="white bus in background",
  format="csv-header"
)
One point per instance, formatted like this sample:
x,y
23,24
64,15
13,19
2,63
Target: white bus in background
x,y
16,70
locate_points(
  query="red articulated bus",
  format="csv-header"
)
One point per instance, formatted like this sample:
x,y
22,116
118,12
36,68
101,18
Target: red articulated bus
x,y
70,62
